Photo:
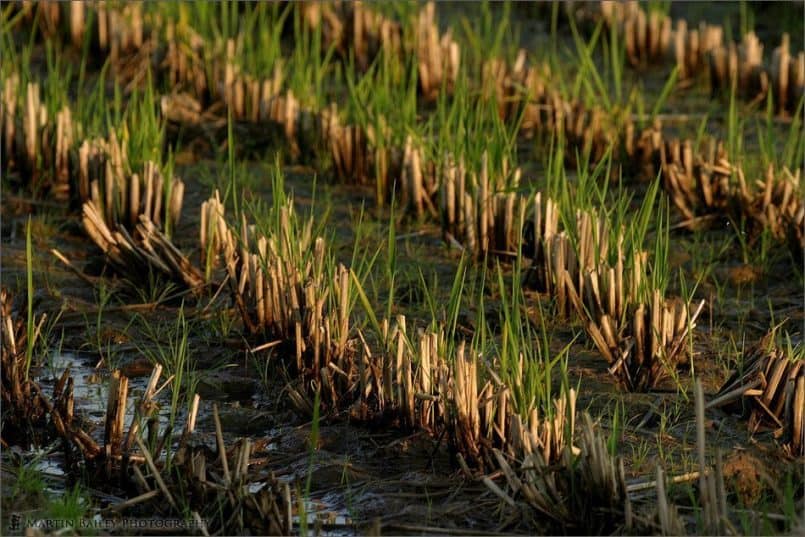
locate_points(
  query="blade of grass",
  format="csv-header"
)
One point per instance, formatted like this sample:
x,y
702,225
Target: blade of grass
x,y
30,337
667,88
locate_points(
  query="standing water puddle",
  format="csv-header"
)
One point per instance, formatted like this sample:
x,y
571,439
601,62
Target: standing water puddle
x,y
353,471
90,396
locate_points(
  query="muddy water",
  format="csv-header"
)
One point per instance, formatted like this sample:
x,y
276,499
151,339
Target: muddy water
x,y
353,479
91,390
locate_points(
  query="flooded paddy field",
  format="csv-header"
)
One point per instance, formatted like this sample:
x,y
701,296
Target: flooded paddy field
x,y
402,268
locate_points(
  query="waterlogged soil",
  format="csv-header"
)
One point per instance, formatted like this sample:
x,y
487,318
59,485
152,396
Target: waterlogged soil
x,y
351,479
356,479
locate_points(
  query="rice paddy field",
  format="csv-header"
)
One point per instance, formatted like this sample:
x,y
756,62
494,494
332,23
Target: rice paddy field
x,y
279,268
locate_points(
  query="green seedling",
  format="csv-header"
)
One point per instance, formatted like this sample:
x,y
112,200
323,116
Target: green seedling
x,y
59,80
617,58
794,150
486,39
71,508
746,17
391,260
10,18
142,126
170,347
308,68
588,76
30,340
466,128
28,480
667,88
156,291
617,424
103,296
260,48
526,361
91,112
383,101
446,315
734,128
640,453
